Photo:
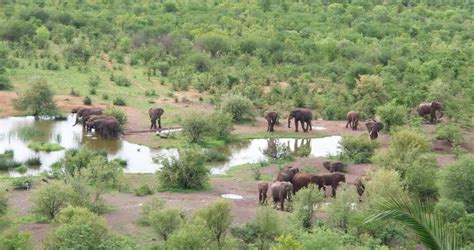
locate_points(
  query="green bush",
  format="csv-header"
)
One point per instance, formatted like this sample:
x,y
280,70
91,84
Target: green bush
x,y
218,219
340,209
47,147
415,177
118,114
73,162
450,210
370,93
143,190
50,199
195,127
170,7
454,178
466,228
12,239
284,242
165,221
3,201
215,44
240,108
87,100
186,172
213,155
5,83
119,101
37,100
221,124
21,169
22,182
33,161
6,164
357,149
450,132
150,206
94,81
192,235
392,115
303,206
121,81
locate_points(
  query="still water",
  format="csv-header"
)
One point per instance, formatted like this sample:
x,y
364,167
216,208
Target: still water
x,y
16,133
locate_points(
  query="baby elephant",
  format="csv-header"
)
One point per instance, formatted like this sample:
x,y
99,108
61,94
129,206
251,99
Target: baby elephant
x,y
281,190
373,127
335,166
352,119
262,187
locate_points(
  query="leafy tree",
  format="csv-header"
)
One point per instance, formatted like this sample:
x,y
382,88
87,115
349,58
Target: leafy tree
x,y
193,235
455,178
217,218
37,100
370,93
215,44
322,238
13,239
239,107
195,127
358,149
304,203
450,132
287,242
340,209
450,210
4,80
392,115
51,198
42,37
165,221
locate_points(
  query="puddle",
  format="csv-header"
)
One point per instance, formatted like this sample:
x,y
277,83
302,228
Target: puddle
x,y
232,196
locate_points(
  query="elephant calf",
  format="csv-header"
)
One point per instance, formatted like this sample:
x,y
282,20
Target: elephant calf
x,y
272,119
425,109
352,119
373,127
336,166
155,115
360,184
262,187
281,191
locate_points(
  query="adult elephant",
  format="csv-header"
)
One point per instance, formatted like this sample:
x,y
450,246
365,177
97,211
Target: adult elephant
x,y
331,179
281,191
106,128
155,115
85,112
302,180
272,119
373,127
425,109
304,116
287,174
88,121
335,166
352,119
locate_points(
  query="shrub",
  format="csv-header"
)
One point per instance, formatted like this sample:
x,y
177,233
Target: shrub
x,y
78,228
239,107
118,114
284,242
218,219
165,221
143,190
466,228
195,127
5,83
74,160
170,7
322,238
201,62
148,207
22,182
450,210
415,177
105,96
357,149
256,174
266,226
304,203
119,101
450,132
6,164
94,81
122,81
215,44
47,147
15,239
121,162
50,199
33,161
370,93
277,150
213,155
192,235
3,201
37,100
221,124
21,169
339,210
454,178
187,172
392,115
87,100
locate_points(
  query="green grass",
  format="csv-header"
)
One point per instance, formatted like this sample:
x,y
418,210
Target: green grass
x,y
47,147
30,133
7,162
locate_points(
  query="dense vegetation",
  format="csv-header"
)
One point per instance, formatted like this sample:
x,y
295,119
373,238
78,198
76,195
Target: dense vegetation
x,y
379,57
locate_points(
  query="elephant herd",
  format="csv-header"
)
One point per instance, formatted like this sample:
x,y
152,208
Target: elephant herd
x,y
304,117
290,180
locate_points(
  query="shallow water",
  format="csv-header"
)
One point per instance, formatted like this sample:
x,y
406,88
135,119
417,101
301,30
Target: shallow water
x,y
138,157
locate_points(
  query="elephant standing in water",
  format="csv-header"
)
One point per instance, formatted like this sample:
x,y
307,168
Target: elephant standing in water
x,y
108,128
88,121
272,119
304,116
352,119
281,191
373,127
82,113
155,114
425,109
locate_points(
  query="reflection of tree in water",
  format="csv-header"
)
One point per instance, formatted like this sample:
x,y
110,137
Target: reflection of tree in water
x,y
276,149
231,148
111,146
303,149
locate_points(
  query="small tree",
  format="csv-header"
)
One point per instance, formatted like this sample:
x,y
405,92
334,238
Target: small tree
x,y
41,37
450,132
192,235
370,93
450,210
195,127
165,221
51,198
241,108
187,172
217,218
37,100
3,201
415,177
357,149
340,209
392,115
13,238
221,124
305,201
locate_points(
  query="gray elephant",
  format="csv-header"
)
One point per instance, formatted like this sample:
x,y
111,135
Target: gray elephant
x,y
360,184
272,119
86,112
352,119
425,109
155,115
287,174
331,179
373,127
91,119
304,116
335,166
281,191
262,187
106,128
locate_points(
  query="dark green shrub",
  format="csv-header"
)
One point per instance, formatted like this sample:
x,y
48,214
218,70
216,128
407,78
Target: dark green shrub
x,y
37,100
87,100
51,198
21,169
201,62
221,124
105,96
119,101
186,172
195,127
213,155
218,218
3,201
5,82
6,164
450,132
241,108
118,114
22,182
165,221
215,44
93,91
450,210
15,239
122,81
150,206
170,7
94,81
357,149
192,235
415,177
466,228
143,190
392,115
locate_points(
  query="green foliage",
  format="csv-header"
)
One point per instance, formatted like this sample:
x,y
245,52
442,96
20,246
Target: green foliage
x,y
450,132
3,201
357,149
33,161
322,239
370,93
165,221
21,169
217,125
415,177
150,206
118,114
37,99
215,44
450,210
186,172
119,101
221,124
213,155
50,199
340,210
87,100
284,242
102,173
7,162
192,235
13,239
94,81
277,150
47,147
22,182
466,228
143,190
392,115
454,178
217,218
303,206
121,81
73,162
41,37
239,107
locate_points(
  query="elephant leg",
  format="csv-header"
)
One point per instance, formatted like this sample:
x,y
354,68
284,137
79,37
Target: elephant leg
x,y
310,126
264,198
151,126
347,124
334,190
296,125
159,123
260,197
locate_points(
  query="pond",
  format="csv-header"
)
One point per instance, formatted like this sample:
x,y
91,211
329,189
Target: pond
x,y
16,133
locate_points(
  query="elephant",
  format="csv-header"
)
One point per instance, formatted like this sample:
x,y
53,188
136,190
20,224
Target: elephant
x,y
262,187
88,121
76,109
302,180
107,128
272,119
155,114
352,119
425,109
303,116
331,179
360,184
336,166
281,190
287,174
85,112
373,127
